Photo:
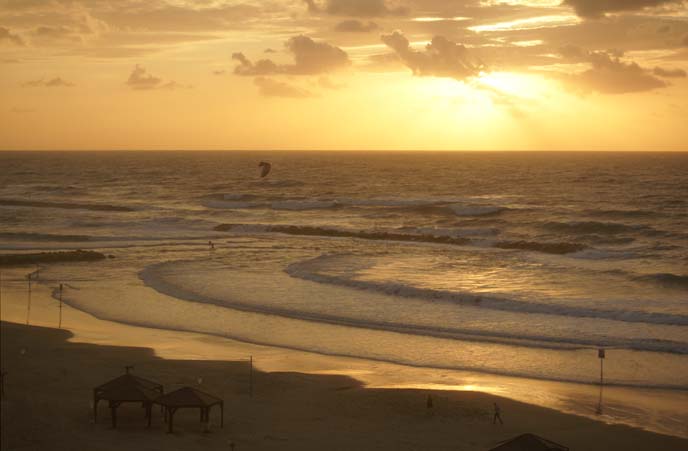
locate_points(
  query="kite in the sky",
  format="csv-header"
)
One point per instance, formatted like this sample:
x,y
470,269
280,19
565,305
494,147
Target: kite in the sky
x,y
265,168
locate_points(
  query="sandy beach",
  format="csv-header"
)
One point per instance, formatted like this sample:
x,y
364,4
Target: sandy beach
x,y
51,374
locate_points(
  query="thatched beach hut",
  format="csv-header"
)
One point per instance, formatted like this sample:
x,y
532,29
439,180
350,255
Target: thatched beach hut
x,y
190,398
126,388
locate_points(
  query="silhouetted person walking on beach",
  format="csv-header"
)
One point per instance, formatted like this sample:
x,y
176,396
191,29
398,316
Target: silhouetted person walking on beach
x,y
497,415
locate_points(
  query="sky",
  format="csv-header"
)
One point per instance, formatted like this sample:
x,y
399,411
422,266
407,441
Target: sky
x,y
344,74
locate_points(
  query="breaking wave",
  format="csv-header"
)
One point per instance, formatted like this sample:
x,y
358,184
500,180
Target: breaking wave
x,y
620,214
308,270
341,233
64,205
666,280
462,210
11,236
592,227
449,207
457,237
547,248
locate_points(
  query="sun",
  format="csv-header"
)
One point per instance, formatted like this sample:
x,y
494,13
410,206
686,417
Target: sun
x,y
511,83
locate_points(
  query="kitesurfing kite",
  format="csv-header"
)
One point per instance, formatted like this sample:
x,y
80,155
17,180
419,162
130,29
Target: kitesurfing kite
x,y
265,168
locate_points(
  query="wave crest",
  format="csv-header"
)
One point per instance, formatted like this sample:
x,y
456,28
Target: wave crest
x,y
666,280
308,270
64,205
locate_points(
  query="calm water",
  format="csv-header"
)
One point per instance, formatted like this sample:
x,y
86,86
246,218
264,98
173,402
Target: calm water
x,y
519,264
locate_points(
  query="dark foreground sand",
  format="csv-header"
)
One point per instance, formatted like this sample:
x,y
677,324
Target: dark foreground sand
x,y
47,406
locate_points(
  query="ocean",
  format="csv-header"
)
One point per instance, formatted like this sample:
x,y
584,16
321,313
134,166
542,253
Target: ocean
x,y
504,263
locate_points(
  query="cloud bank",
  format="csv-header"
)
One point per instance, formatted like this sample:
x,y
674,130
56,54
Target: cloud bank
x,y
440,58
355,8
610,75
140,79
7,36
598,8
56,82
310,57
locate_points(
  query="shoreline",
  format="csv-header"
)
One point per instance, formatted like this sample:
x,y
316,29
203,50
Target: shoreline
x,y
373,375
51,375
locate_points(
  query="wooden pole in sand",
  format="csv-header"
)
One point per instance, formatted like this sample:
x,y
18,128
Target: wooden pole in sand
x,y
28,301
59,324
601,355
250,377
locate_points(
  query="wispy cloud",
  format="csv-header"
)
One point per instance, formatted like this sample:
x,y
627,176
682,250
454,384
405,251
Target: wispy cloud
x,y
56,82
6,36
274,88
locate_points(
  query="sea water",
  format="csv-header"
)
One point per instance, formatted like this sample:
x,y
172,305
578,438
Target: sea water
x,y
514,264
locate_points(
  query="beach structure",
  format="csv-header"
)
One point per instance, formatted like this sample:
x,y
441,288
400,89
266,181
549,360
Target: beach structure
x,y
2,383
126,388
190,398
529,442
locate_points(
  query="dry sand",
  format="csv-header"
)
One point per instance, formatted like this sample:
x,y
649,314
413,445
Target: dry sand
x,y
47,405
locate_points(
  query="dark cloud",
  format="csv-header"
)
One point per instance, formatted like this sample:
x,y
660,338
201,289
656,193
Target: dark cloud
x,y
598,8
355,26
273,88
56,82
355,8
60,32
140,79
7,36
260,67
441,58
310,57
610,75
669,73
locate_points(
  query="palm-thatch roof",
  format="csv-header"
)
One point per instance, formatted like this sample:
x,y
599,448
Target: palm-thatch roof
x,y
128,392
129,379
529,442
188,397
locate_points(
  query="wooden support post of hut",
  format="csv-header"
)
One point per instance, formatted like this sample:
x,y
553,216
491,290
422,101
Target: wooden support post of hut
x,y
188,397
2,383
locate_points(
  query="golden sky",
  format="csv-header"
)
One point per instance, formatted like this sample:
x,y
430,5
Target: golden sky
x,y
344,74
